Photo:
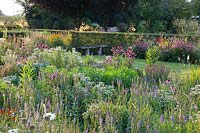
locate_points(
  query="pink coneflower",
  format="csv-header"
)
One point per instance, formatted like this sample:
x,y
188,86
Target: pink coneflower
x,y
168,81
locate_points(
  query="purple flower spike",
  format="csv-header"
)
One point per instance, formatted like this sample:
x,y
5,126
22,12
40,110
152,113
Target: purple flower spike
x,y
162,119
126,131
172,118
156,131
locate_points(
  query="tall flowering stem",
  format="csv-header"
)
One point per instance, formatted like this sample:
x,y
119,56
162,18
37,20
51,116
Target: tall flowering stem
x,y
121,56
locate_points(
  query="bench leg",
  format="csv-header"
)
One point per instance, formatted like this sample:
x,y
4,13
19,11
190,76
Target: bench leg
x,y
100,51
87,51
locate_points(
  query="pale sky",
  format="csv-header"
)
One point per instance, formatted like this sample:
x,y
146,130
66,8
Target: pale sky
x,y
9,7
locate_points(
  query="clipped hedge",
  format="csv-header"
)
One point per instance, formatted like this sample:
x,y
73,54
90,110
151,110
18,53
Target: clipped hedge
x,y
95,38
16,33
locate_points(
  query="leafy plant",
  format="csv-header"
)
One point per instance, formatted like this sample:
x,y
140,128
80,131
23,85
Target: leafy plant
x,y
59,57
152,55
111,75
140,49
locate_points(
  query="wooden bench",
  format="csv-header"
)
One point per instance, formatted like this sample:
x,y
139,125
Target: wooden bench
x,y
87,49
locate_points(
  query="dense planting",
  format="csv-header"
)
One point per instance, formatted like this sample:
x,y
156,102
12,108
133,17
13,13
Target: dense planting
x,y
47,86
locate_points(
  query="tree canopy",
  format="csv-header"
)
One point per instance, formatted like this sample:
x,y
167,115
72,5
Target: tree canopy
x,y
146,15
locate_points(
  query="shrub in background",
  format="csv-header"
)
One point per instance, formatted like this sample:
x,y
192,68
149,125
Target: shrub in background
x,y
187,26
63,40
178,50
140,49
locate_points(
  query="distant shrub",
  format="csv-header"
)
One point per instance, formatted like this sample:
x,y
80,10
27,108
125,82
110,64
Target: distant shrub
x,y
56,40
140,49
178,50
187,26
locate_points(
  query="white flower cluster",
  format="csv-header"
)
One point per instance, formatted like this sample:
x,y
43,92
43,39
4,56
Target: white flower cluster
x,y
13,131
51,116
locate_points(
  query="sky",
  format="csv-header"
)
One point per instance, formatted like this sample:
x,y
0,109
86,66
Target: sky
x,y
10,8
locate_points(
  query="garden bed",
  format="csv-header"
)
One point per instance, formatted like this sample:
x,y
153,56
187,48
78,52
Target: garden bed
x,y
47,87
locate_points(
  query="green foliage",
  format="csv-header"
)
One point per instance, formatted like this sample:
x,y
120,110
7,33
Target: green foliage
x,y
92,38
145,14
187,27
10,57
111,75
108,117
152,55
59,57
93,97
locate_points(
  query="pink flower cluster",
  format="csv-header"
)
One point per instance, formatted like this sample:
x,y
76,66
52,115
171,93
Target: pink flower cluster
x,y
117,50
42,46
183,45
129,53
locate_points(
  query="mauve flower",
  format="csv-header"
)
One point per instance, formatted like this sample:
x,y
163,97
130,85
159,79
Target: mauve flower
x,y
125,91
186,118
162,118
54,75
195,107
108,117
172,118
155,93
156,131
86,131
148,126
139,124
172,89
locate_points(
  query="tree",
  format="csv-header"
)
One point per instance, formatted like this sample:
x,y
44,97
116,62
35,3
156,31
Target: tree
x,y
104,12
1,13
146,15
195,7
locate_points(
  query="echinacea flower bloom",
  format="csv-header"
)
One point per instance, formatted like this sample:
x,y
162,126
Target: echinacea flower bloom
x,y
13,131
51,116
168,81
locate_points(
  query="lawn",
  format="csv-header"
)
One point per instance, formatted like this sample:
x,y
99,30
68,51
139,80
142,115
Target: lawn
x,y
175,67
